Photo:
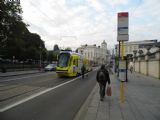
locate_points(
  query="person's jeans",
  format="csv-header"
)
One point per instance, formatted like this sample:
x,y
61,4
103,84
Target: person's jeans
x,y
82,75
102,90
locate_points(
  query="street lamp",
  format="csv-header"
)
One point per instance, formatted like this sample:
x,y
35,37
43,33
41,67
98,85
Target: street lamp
x,y
134,52
40,59
13,59
148,49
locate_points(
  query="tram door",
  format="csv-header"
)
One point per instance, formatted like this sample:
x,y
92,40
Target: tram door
x,y
75,65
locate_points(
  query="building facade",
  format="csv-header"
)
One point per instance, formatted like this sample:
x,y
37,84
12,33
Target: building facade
x,y
96,54
129,47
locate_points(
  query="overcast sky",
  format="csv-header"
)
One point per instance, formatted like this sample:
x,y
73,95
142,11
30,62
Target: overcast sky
x,y
71,23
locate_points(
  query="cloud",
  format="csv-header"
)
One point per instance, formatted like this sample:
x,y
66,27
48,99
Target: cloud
x,y
144,23
71,24
96,5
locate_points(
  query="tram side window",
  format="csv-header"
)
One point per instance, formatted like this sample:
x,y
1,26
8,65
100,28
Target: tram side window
x,y
75,62
71,61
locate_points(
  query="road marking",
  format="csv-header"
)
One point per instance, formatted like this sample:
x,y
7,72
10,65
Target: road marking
x,y
23,78
35,95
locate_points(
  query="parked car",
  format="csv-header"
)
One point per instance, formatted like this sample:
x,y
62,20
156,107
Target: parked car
x,y
50,67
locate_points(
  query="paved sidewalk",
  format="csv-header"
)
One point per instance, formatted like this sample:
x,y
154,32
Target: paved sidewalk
x,y
16,73
142,101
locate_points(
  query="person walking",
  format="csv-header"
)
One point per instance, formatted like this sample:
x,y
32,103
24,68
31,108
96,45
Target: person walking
x,y
131,67
83,69
102,78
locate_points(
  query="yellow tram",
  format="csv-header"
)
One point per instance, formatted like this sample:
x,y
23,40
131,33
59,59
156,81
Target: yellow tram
x,y
70,63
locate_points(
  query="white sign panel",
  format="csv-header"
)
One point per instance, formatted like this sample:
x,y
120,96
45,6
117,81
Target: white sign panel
x,y
122,70
122,76
123,31
123,37
122,64
122,22
122,28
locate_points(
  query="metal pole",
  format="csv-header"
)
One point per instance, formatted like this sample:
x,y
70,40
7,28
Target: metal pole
x,y
40,59
122,83
126,68
119,57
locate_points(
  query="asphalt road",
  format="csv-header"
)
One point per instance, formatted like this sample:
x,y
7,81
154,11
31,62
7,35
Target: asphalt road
x,y
59,99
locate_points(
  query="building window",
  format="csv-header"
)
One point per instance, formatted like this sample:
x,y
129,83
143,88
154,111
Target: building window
x,y
130,48
126,49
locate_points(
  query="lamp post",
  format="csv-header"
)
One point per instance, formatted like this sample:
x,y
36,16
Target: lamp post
x,y
40,56
13,59
134,57
134,52
13,62
148,49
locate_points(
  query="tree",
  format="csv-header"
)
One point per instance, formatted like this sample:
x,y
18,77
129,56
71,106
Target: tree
x,y
34,42
50,56
15,38
56,52
44,54
56,48
68,49
12,29
16,42
10,12
76,50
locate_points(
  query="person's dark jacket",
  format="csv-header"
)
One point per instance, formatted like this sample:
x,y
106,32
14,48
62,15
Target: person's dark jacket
x,y
83,69
106,73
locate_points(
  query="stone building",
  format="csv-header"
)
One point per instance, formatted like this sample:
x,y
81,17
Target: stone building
x,y
129,47
94,53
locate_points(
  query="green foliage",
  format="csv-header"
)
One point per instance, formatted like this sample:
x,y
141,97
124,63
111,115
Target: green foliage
x,y
68,48
56,52
51,56
10,17
15,38
56,48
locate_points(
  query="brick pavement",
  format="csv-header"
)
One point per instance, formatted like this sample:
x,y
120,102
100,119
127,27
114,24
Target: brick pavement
x,y
142,100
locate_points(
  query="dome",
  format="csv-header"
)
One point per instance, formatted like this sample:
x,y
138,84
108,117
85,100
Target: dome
x,y
104,42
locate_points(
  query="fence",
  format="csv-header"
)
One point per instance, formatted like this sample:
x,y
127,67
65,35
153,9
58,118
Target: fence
x,y
148,64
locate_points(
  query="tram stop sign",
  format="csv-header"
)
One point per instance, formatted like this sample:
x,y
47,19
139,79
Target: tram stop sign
x,y
122,28
122,70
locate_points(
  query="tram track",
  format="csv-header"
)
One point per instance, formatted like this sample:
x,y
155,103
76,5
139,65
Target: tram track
x,y
11,91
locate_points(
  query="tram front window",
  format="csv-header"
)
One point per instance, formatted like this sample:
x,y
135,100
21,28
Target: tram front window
x,y
63,60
